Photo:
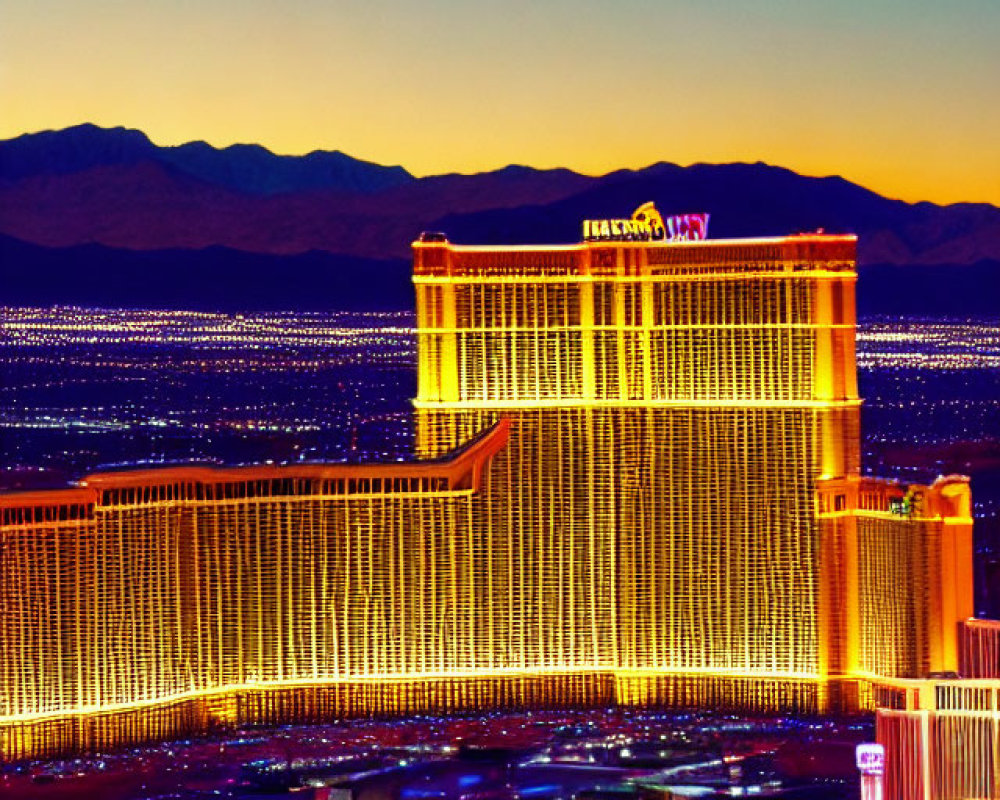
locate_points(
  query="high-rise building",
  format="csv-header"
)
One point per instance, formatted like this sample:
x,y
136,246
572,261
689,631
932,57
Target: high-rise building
x,y
638,483
680,497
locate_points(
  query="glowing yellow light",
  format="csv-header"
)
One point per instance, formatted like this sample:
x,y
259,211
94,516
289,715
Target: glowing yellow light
x,y
643,490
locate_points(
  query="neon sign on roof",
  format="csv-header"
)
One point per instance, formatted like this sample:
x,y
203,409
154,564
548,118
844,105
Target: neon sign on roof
x,y
647,225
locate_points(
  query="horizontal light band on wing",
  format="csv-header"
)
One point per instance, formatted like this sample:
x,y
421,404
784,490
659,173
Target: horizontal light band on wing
x,y
575,277
570,402
806,326
390,678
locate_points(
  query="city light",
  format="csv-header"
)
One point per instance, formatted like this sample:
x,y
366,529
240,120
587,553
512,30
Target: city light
x,y
637,482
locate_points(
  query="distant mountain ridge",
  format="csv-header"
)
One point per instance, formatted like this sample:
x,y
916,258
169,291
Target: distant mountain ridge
x,y
246,168
115,188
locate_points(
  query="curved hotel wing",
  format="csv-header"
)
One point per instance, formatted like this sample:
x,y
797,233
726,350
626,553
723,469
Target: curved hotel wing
x,y
639,484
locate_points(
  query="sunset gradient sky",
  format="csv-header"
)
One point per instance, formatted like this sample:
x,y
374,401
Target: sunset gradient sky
x,y
902,96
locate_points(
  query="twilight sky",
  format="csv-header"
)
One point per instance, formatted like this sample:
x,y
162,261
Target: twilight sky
x,y
902,96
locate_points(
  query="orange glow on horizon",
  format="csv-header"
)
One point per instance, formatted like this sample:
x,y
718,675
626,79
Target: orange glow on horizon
x,y
903,106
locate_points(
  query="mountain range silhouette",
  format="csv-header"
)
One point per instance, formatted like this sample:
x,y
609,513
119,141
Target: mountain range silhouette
x,y
108,204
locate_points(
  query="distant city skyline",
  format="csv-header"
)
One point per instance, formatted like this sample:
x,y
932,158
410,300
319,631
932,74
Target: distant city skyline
x,y
899,97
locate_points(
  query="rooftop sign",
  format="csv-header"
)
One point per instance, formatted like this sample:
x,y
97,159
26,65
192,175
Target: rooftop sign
x,y
647,225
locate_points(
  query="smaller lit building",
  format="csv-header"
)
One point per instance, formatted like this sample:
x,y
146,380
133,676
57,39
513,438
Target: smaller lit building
x,y
941,738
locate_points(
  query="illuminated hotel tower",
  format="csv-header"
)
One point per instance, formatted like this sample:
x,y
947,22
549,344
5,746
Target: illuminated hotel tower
x,y
639,485
679,501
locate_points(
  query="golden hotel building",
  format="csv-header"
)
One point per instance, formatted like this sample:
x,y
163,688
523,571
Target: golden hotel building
x,y
680,500
638,483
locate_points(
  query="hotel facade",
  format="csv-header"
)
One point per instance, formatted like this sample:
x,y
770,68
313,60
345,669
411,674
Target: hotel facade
x,y
637,482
